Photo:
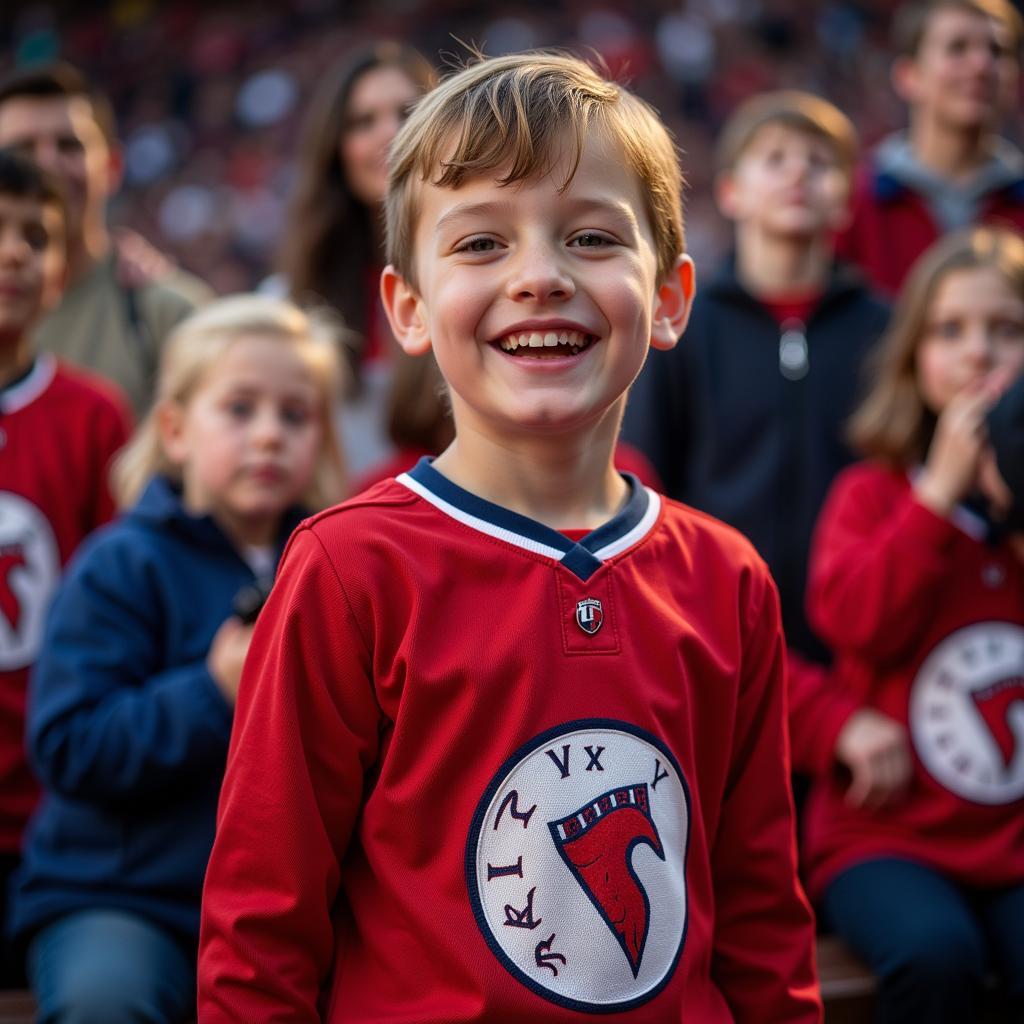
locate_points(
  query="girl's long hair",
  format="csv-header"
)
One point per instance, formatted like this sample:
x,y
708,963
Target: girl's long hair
x,y
893,423
330,243
195,345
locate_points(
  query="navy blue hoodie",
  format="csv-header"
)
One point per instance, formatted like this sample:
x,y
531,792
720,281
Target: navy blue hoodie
x,y
127,730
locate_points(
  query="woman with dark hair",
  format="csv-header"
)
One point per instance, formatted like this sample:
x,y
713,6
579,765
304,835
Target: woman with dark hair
x,y
332,250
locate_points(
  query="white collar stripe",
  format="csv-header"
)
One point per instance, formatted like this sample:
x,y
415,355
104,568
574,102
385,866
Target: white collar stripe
x,y
639,531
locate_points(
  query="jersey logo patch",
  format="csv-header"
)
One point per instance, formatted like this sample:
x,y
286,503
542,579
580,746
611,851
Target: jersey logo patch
x,y
967,713
29,571
576,865
589,615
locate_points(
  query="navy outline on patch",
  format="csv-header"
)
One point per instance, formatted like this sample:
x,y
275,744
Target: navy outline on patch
x,y
592,624
590,934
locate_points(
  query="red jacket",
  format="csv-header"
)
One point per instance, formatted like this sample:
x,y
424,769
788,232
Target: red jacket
x,y
891,225
927,625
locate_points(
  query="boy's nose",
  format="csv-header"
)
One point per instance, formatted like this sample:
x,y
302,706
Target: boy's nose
x,y
539,275
13,248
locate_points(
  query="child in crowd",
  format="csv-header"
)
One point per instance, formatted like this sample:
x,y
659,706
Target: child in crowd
x,y
956,68
744,419
510,740
58,430
920,594
132,697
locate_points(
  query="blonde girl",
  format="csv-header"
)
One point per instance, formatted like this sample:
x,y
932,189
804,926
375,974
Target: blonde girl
x,y
132,702
920,593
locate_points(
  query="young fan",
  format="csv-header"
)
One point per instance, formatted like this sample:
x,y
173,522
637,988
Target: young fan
x,y
920,593
132,697
510,743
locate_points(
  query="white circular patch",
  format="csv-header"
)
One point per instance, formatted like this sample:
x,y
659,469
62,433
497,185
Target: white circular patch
x,y
576,865
29,572
967,713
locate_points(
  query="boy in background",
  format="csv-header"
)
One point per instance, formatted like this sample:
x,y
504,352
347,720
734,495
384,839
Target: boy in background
x,y
745,418
956,69
58,431
510,743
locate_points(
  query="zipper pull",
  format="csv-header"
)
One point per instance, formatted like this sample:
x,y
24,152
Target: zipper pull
x,y
794,356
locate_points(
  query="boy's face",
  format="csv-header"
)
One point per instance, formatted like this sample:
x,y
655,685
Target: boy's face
x,y
539,305
964,72
31,263
61,134
786,182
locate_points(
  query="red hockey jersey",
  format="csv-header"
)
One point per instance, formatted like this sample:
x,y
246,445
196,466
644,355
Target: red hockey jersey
x,y
482,772
927,623
58,430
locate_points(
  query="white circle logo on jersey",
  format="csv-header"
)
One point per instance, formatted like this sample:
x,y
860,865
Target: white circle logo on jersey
x,y
29,571
967,713
576,865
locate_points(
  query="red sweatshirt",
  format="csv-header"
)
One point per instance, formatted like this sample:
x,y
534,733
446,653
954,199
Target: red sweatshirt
x,y
927,625
483,772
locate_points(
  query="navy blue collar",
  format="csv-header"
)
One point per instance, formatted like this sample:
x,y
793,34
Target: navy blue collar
x,y
583,558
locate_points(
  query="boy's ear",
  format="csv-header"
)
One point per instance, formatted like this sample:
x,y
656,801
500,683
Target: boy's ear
x,y
675,298
725,194
405,311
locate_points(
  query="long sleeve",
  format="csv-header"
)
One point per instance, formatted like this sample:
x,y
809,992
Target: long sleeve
x,y
306,736
763,957
877,565
108,722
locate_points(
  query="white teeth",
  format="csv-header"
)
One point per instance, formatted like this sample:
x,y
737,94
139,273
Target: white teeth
x,y
549,339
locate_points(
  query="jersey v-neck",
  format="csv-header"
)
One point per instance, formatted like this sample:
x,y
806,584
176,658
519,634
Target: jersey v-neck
x,y
582,558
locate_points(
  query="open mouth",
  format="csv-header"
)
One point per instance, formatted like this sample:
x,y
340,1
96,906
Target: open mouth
x,y
546,344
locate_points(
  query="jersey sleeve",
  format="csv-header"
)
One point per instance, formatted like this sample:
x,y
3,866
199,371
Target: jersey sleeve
x,y
107,722
878,562
763,953
307,727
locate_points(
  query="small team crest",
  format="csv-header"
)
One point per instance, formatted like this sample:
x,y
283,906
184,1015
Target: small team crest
x,y
967,713
576,865
589,615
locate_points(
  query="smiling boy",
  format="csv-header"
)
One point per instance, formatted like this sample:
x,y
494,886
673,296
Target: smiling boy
x,y
510,739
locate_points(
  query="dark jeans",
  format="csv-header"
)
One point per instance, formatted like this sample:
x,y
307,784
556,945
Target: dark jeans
x,y
930,942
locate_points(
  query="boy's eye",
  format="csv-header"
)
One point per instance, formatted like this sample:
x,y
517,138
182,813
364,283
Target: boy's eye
x,y
590,240
37,237
239,409
477,245
70,145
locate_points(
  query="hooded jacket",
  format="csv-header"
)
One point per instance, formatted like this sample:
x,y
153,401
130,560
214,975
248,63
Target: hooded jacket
x,y
127,729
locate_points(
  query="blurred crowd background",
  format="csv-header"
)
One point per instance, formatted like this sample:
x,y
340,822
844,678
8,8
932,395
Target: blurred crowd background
x,y
210,96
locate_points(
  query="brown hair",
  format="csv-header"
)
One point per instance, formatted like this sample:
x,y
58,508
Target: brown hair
x,y
801,111
328,247
911,21
893,423
517,113
60,79
419,413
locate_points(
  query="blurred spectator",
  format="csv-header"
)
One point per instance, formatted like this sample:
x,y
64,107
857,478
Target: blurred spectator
x,y
744,418
133,695
956,68
58,430
332,250
121,300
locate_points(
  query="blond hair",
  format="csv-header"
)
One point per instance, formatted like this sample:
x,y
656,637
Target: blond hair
x,y
520,114
802,112
195,345
893,423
